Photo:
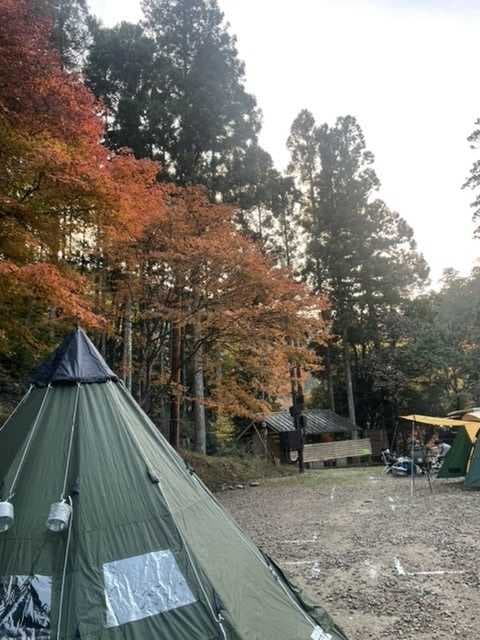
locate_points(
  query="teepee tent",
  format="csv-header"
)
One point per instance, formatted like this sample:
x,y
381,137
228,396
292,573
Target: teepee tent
x,y
134,546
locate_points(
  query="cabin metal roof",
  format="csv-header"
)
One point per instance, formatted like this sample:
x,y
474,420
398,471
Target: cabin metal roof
x,y
318,421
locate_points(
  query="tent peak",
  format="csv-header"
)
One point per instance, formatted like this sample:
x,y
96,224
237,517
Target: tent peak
x,y
75,360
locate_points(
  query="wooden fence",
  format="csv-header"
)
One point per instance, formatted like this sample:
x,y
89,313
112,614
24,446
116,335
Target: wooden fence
x,y
337,450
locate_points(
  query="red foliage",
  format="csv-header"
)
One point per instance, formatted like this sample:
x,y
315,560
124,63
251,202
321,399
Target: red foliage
x,y
61,191
36,94
192,267
52,288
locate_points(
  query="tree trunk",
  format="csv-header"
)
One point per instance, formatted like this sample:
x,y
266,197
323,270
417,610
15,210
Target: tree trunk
x,y
127,344
331,388
199,392
349,384
147,386
260,226
176,380
286,242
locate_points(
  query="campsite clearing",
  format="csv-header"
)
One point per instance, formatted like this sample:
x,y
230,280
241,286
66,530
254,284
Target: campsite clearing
x,y
383,564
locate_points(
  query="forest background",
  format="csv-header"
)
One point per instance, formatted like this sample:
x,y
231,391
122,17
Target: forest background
x,y
136,201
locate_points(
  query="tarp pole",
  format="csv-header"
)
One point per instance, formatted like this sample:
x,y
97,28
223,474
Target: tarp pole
x,y
412,479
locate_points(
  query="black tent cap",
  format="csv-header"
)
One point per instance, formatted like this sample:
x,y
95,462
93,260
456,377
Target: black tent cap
x,y
75,360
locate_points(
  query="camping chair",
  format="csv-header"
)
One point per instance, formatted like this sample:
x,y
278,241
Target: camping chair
x,y
388,460
400,467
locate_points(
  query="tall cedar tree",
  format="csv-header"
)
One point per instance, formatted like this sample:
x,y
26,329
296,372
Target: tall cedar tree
x,y
70,34
473,181
182,71
359,253
121,72
173,88
204,117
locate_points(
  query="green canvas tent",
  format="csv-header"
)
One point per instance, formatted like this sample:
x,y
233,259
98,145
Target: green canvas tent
x,y
134,547
472,479
456,461
463,459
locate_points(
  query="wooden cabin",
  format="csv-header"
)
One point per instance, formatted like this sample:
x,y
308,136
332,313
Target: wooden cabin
x,y
266,435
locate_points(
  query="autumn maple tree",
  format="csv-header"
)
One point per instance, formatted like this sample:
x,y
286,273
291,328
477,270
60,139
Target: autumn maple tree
x,y
218,314
61,190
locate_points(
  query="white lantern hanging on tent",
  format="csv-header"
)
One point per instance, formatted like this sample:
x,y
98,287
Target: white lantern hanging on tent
x,y
59,516
6,516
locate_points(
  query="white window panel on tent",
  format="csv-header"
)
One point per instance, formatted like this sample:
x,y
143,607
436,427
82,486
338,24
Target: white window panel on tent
x,y
144,586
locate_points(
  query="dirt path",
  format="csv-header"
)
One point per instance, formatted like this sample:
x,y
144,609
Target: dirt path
x,y
358,544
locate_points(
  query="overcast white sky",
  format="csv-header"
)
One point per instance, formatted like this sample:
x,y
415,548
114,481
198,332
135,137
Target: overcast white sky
x,y
407,69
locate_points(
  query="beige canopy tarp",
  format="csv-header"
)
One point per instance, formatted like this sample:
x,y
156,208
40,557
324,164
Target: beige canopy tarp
x,y
448,423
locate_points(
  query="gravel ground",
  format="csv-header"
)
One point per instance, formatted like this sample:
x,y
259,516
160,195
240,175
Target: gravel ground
x,y
357,543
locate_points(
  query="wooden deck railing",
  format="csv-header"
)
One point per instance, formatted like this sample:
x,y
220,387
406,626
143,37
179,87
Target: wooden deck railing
x,y
337,450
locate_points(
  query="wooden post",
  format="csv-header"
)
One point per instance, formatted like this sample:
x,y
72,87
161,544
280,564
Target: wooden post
x,y
296,412
412,478
301,465
297,408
